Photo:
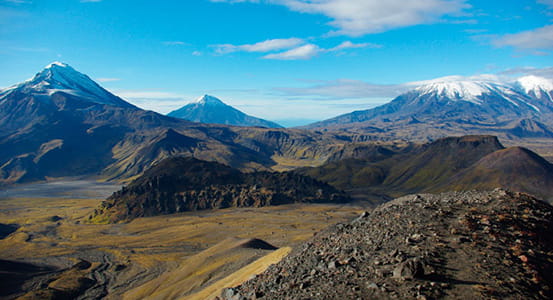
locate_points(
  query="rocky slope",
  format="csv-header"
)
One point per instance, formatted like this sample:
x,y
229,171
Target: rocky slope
x,y
181,184
472,245
209,109
455,163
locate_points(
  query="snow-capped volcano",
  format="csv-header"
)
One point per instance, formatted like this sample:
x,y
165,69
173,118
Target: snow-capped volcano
x,y
209,109
59,77
456,99
538,87
463,90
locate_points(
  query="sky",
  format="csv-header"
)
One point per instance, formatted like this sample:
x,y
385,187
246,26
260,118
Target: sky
x,y
289,61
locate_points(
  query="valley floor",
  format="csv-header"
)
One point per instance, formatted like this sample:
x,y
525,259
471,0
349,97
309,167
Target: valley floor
x,y
67,257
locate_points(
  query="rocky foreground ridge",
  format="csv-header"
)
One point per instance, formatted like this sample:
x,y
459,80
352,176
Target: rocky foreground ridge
x,y
472,245
181,184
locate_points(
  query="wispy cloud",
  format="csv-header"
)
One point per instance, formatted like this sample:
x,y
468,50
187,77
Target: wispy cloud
x,y
302,52
295,48
346,89
18,1
264,46
522,71
537,39
350,45
549,3
360,17
86,1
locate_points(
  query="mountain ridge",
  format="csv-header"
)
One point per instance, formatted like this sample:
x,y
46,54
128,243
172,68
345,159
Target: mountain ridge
x,y
180,184
47,132
453,163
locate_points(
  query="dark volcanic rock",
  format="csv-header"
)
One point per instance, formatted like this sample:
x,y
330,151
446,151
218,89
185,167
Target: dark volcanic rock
x,y
473,245
181,184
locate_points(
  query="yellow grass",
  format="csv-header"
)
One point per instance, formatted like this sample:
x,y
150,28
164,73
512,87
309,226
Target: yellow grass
x,y
241,275
162,244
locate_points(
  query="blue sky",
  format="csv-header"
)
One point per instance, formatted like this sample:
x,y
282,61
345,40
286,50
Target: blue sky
x,y
276,59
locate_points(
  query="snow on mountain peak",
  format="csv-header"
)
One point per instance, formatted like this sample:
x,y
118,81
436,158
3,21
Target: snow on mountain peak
x,y
455,89
60,77
57,64
534,84
207,99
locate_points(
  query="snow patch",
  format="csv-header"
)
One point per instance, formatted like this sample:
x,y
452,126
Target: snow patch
x,y
538,86
462,90
60,77
208,100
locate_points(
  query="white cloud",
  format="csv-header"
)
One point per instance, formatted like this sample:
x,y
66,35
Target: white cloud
x,y
360,17
350,45
302,52
523,71
540,38
197,53
296,49
265,46
346,89
18,1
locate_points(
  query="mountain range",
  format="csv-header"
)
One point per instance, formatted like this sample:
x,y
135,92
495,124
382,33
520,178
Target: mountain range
x,y
209,109
456,106
461,101
61,123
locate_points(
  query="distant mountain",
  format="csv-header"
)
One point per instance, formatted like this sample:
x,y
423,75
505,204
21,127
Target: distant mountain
x,y
451,106
454,163
181,184
61,123
208,109
461,100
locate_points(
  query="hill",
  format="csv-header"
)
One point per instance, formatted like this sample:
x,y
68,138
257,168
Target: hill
x,y
454,163
181,184
209,109
472,245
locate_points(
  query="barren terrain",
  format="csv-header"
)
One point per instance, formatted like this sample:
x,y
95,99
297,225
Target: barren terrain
x,y
68,257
